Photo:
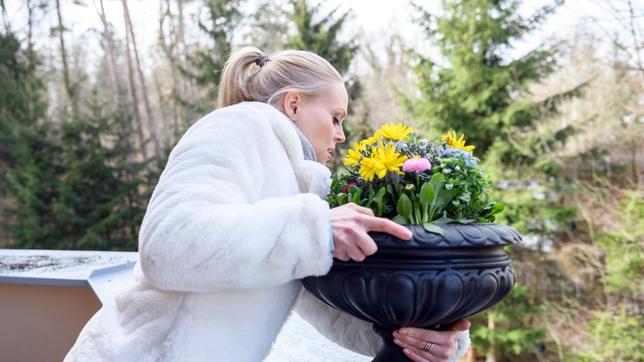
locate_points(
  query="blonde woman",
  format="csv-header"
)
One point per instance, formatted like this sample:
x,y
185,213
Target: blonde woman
x,y
238,218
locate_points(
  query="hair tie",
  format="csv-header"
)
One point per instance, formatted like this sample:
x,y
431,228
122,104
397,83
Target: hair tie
x,y
263,59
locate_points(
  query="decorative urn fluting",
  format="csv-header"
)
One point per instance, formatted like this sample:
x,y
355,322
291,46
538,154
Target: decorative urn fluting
x,y
429,281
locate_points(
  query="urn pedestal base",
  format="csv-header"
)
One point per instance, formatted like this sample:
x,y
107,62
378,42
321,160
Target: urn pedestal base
x,y
429,281
389,352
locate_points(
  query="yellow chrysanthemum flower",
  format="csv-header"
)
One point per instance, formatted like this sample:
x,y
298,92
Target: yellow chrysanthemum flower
x,y
368,169
395,132
384,158
454,142
360,146
353,156
370,140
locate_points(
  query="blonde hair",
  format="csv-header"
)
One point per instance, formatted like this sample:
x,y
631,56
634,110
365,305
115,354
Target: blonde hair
x,y
251,75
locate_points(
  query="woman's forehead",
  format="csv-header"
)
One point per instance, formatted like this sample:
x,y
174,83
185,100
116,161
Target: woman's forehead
x,y
338,98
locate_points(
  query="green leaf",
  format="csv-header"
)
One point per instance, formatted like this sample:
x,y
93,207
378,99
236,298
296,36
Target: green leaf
x,y
356,198
404,206
437,180
497,208
390,190
343,198
426,194
381,193
433,228
443,220
399,219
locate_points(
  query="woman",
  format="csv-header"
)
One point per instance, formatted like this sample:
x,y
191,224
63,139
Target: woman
x,y
237,218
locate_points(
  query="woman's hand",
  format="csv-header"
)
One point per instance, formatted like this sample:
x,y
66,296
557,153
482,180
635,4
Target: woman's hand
x,y
424,345
351,223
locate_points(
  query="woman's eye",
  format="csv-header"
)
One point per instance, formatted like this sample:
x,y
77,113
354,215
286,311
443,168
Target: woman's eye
x,y
336,121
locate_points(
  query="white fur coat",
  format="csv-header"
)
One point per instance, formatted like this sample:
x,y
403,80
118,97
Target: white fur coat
x,y
237,218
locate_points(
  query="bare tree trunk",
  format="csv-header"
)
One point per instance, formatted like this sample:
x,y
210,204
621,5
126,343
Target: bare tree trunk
x,y
30,26
135,97
187,89
490,356
3,10
146,101
169,51
162,105
636,43
116,79
69,88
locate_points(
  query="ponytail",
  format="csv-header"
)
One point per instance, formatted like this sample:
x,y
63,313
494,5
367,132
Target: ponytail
x,y
251,75
232,85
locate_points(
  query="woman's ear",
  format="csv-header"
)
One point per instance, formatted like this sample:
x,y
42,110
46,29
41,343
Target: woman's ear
x,y
292,101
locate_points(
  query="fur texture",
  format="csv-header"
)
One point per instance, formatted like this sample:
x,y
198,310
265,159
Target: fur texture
x,y
237,218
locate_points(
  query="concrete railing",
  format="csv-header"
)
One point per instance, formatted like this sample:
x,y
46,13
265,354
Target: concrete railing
x,y
47,296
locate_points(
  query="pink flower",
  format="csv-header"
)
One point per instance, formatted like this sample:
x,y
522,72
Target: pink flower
x,y
416,165
346,188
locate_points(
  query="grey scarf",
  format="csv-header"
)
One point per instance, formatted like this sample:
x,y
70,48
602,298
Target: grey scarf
x,y
307,147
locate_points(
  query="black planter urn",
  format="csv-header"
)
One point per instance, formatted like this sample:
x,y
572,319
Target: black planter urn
x,y
429,281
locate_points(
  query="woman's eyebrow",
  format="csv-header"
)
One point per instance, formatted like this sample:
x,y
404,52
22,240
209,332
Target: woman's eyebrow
x,y
342,111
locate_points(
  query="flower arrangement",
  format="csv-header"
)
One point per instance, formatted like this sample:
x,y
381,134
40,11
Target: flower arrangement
x,y
413,180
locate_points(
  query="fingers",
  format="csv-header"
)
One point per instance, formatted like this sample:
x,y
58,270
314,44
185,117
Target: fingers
x,y
363,210
367,245
438,337
415,340
341,255
418,356
358,251
461,325
355,253
387,226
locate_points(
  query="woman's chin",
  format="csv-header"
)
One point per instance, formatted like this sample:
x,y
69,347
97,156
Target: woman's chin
x,y
329,157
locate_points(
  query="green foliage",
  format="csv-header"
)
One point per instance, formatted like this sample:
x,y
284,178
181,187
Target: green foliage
x,y
513,332
473,87
615,336
22,102
624,247
534,208
615,332
614,329
454,190
319,34
72,186
220,22
471,186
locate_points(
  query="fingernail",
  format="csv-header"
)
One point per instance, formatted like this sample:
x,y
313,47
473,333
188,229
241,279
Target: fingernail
x,y
396,341
403,332
406,351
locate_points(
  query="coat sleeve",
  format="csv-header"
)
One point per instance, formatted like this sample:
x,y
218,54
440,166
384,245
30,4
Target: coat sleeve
x,y
353,333
207,228
339,327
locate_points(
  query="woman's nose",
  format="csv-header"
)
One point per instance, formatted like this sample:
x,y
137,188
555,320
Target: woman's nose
x,y
339,136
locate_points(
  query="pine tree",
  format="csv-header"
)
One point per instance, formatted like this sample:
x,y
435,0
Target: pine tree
x,y
319,33
474,87
27,154
97,204
204,65
69,185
